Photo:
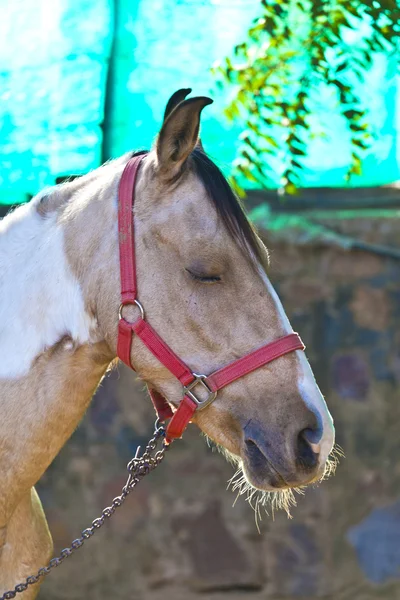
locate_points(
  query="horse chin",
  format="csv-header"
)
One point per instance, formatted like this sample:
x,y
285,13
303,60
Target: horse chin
x,y
263,497
272,482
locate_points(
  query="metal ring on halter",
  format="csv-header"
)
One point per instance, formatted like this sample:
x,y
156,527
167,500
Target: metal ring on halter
x,y
123,304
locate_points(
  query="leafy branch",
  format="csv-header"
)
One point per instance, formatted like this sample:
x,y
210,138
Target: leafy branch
x,y
293,49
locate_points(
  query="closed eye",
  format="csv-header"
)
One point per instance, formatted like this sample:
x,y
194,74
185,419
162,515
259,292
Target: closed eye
x,y
203,278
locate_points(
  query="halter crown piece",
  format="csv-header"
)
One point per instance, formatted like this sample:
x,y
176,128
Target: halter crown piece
x,y
189,380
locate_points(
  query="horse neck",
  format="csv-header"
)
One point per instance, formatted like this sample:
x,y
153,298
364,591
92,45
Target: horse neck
x,y
55,258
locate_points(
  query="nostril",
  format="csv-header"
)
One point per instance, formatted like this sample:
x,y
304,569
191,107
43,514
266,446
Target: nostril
x,y
254,453
307,451
250,443
313,437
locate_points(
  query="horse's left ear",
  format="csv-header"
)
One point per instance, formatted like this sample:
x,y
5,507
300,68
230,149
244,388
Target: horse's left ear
x,y
178,135
176,99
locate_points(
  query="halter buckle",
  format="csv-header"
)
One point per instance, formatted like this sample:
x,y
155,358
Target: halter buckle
x,y
200,379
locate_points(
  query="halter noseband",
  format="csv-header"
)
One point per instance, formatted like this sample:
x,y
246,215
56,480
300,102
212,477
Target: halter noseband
x,y
189,380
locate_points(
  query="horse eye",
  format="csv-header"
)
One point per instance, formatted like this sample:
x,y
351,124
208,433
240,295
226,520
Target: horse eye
x,y
203,278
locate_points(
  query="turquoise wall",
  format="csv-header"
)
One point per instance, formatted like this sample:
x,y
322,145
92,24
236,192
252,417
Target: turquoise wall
x,y
74,69
53,68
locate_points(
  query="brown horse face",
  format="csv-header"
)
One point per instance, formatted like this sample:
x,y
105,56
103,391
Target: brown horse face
x,y
202,278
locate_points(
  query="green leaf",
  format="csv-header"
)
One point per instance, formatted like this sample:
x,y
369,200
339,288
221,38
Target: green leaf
x,y
359,144
342,67
270,140
297,151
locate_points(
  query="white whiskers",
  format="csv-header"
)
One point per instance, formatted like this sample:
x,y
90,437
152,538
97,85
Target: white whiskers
x,y
260,500
263,501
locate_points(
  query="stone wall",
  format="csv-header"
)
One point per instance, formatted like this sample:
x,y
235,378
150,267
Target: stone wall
x,y
178,535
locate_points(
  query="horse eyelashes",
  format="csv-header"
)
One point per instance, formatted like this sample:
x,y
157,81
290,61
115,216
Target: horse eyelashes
x,y
204,278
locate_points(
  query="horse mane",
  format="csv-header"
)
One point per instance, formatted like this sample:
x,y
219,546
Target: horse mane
x,y
228,205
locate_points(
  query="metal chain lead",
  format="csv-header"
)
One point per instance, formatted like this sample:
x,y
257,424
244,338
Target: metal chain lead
x,y
138,467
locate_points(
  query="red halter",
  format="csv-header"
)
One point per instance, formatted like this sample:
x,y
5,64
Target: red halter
x,y
189,380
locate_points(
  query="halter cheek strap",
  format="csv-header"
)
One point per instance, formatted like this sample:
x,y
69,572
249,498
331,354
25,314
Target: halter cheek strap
x,y
190,381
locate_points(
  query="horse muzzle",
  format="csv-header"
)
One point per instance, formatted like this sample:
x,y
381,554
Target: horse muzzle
x,y
274,461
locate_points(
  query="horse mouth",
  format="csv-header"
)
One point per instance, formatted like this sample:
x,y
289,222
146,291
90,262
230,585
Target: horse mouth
x,y
274,481
269,479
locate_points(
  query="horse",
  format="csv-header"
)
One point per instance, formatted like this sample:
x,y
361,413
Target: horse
x,y
202,277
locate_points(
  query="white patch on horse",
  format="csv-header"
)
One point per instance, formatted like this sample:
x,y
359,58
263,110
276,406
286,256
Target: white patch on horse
x,y
40,298
68,345
307,387
280,310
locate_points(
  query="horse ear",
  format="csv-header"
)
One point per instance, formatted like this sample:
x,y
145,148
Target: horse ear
x,y
178,135
176,99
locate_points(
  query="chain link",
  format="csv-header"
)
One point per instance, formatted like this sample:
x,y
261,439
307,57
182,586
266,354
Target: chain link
x,y
140,466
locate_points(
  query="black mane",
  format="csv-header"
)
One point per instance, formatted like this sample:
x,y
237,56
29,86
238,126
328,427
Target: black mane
x,y
226,203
